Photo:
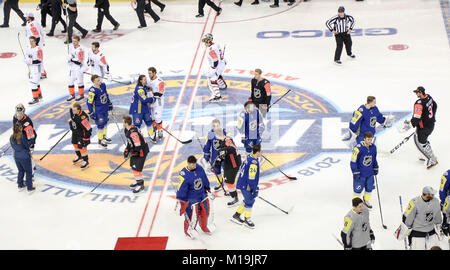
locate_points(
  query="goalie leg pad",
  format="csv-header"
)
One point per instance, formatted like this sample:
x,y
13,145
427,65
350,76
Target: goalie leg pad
x,y
206,216
424,148
418,243
213,88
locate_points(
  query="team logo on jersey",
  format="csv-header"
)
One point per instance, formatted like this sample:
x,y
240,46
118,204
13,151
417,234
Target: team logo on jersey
x,y
429,216
367,161
299,128
198,184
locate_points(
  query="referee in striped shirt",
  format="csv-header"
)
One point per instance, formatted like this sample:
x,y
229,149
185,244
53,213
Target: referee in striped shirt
x,y
341,25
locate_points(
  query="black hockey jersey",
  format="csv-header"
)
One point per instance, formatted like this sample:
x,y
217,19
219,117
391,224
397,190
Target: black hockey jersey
x,y
228,153
80,126
424,114
260,92
27,128
136,145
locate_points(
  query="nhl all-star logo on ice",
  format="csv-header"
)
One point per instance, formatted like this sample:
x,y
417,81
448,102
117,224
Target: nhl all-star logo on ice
x,y
300,127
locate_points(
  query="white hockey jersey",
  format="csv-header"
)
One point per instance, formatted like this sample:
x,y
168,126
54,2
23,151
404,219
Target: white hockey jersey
x,y
215,53
34,28
76,57
98,63
157,86
34,58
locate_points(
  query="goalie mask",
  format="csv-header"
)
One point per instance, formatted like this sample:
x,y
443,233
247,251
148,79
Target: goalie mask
x,y
207,38
20,111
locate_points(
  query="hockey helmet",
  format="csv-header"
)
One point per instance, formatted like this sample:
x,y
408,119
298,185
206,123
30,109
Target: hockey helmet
x,y
207,38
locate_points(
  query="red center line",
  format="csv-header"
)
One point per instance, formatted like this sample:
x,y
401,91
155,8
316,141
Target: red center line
x,y
182,127
155,173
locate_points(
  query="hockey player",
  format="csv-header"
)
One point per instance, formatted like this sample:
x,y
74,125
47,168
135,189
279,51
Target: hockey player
x,y
77,67
231,163
364,167
138,149
139,108
444,189
81,134
251,126
97,62
195,199
248,185
217,65
420,217
34,29
27,128
156,87
357,233
33,58
365,119
423,120
260,92
446,218
99,105
210,151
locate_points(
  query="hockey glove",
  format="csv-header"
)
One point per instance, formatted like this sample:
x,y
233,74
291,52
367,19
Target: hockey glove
x,y
217,162
135,153
375,171
211,195
255,192
388,121
372,237
126,153
222,154
207,156
244,141
93,116
445,228
356,176
80,145
110,106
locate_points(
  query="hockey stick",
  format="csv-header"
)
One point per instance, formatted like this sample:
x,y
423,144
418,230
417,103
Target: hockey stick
x,y
337,239
182,142
111,79
289,90
111,173
212,166
289,177
286,212
401,209
401,143
54,145
117,125
379,203
21,48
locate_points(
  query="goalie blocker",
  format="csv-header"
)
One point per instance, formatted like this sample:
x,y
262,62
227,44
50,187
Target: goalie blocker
x,y
195,199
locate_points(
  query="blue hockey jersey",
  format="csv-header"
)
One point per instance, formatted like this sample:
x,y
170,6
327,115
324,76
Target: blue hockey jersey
x,y
98,100
364,160
444,189
365,120
193,185
140,101
249,174
212,145
251,125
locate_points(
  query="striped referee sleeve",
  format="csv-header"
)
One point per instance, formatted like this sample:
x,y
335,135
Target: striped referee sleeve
x,y
352,21
330,23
